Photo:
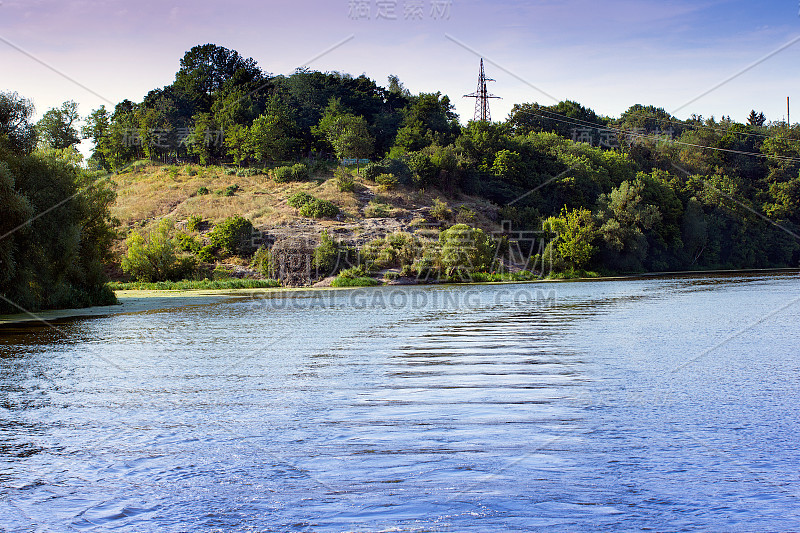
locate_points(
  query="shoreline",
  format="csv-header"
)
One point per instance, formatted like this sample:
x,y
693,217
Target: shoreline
x,y
142,301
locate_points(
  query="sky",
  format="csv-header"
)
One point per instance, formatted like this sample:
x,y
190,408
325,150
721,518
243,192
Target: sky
x,y
606,55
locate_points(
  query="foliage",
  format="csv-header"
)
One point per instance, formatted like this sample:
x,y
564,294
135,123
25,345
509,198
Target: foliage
x,y
466,250
573,246
331,255
299,199
154,257
345,181
440,211
53,251
233,235
319,209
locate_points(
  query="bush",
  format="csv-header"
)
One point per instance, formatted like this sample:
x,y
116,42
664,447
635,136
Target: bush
x,y
202,191
208,253
319,209
232,235
154,257
345,180
330,255
187,243
248,172
373,170
440,211
262,262
282,174
465,215
298,172
230,190
466,249
299,199
194,222
387,181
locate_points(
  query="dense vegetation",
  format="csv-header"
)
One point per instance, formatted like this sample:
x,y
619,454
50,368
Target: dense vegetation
x,y
645,191
642,192
55,226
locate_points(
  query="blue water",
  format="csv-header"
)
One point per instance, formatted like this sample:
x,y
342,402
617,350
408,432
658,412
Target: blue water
x,y
670,405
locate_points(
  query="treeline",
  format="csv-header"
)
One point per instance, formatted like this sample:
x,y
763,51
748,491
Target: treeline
x,y
642,192
55,226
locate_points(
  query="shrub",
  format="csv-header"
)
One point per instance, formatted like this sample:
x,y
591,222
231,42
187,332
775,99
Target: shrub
x,y
232,235
373,170
387,181
230,171
282,174
203,191
194,223
190,171
345,180
230,190
207,253
330,254
300,172
440,211
154,257
187,243
466,249
465,215
299,199
262,262
297,172
319,209
248,172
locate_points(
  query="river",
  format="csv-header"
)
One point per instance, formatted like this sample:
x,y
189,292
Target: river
x,y
668,404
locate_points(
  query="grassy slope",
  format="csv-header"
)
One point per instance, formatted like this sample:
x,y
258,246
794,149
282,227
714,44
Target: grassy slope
x,y
153,192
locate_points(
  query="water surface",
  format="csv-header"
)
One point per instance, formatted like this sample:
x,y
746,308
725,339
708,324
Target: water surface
x,y
669,404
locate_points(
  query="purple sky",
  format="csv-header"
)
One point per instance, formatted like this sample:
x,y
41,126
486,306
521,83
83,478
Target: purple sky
x,y
606,55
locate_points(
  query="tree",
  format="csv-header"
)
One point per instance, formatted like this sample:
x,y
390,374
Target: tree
x,y
16,131
98,130
465,250
350,137
273,135
155,257
624,218
756,120
57,129
575,234
208,68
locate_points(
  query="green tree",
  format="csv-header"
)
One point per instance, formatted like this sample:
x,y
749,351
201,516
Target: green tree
x,y
350,137
16,131
273,135
573,247
57,128
154,257
625,218
98,130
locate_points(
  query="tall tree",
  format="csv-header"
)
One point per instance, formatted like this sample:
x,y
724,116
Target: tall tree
x,y
57,128
16,130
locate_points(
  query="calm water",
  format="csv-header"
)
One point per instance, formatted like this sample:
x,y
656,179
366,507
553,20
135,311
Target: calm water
x,y
663,404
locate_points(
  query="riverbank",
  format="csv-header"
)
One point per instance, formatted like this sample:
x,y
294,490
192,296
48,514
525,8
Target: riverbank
x,y
139,301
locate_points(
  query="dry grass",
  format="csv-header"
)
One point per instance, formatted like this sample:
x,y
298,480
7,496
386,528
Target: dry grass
x,y
155,191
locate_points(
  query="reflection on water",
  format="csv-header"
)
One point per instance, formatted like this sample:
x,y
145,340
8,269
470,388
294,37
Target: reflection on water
x,y
467,409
